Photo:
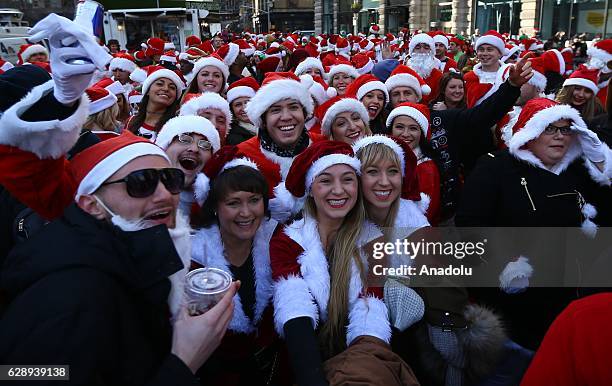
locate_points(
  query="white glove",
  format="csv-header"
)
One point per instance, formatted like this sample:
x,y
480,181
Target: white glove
x,y
591,146
74,56
439,106
278,211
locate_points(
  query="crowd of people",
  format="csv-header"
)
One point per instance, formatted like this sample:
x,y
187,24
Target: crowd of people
x,y
280,158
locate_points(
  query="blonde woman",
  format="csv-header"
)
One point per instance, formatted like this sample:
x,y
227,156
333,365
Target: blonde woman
x,y
103,111
579,91
320,271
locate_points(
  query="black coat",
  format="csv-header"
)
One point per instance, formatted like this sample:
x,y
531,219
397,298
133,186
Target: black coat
x,y
495,195
86,294
237,134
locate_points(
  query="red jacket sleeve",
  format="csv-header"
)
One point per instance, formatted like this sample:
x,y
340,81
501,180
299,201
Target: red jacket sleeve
x,y
283,255
429,183
46,186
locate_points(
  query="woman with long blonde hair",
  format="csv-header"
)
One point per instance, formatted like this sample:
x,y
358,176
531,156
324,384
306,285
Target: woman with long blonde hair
x,y
324,304
580,92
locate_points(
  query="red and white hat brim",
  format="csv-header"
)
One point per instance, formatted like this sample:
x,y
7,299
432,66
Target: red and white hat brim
x,y
102,104
239,92
307,64
33,50
232,54
412,113
342,68
583,83
208,100
405,80
600,54
201,186
122,64
188,124
343,105
420,39
491,40
371,86
383,140
210,61
164,73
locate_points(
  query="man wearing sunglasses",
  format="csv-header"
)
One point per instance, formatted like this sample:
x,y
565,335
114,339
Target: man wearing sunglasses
x,y
99,289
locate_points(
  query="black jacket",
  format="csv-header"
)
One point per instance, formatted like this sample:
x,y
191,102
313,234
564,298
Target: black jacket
x,y
86,294
237,134
460,136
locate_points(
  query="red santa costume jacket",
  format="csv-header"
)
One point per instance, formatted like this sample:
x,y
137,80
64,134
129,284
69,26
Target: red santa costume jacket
x,y
603,93
273,167
446,65
433,81
302,282
576,348
480,85
428,176
5,66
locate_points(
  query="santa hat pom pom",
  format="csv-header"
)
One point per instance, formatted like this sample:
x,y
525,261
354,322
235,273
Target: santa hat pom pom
x,y
138,75
426,89
331,92
201,188
284,201
589,228
306,80
589,211
423,205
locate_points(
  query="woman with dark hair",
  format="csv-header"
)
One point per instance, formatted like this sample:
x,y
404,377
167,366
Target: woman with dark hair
x,y
161,92
579,91
410,122
235,238
452,92
373,94
209,74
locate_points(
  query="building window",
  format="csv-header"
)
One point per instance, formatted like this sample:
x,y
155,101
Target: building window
x,y
502,16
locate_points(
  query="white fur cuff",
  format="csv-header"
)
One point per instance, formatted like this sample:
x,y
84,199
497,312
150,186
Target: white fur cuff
x,y
46,139
604,177
292,299
368,316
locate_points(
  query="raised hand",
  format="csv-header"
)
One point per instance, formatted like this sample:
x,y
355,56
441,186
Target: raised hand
x,y
521,71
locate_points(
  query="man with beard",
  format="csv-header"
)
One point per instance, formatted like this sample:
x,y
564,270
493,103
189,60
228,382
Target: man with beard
x,y
490,72
423,61
91,290
442,44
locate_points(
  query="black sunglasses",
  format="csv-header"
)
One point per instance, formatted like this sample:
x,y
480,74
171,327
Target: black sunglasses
x,y
143,183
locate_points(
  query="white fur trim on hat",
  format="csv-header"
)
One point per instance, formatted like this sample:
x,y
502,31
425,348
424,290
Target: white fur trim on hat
x,y
383,140
538,80
371,86
33,50
320,94
307,64
113,162
406,80
138,75
345,68
210,61
515,270
581,82
598,53
239,92
188,124
535,126
511,52
492,40
367,68
345,104
115,88
327,161
167,58
201,187
122,64
208,100
232,54
47,139
421,38
164,73
412,113
137,98
441,39
102,103
277,91
561,61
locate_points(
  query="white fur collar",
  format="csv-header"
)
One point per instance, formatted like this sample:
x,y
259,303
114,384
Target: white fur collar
x,y
208,250
495,78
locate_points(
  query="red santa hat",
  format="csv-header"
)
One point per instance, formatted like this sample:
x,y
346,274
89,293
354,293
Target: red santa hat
x,y
193,103
314,160
212,60
568,57
268,65
27,50
408,163
277,87
245,47
135,97
123,62
169,46
416,111
245,87
440,37
342,67
362,63
329,110
157,72
99,99
154,46
343,47
224,159
531,45
374,29
188,124
169,56
405,76
366,45
113,86
312,49
207,47
511,49
584,77
421,38
601,50
96,164
275,51
364,84
289,46
193,41
320,91
140,55
492,38
307,64
228,52
551,61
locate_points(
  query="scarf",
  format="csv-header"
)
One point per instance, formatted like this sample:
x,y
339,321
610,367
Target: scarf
x,y
268,144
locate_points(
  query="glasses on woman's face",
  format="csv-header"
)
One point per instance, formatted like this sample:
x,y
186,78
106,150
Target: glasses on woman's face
x,y
186,139
143,183
552,130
